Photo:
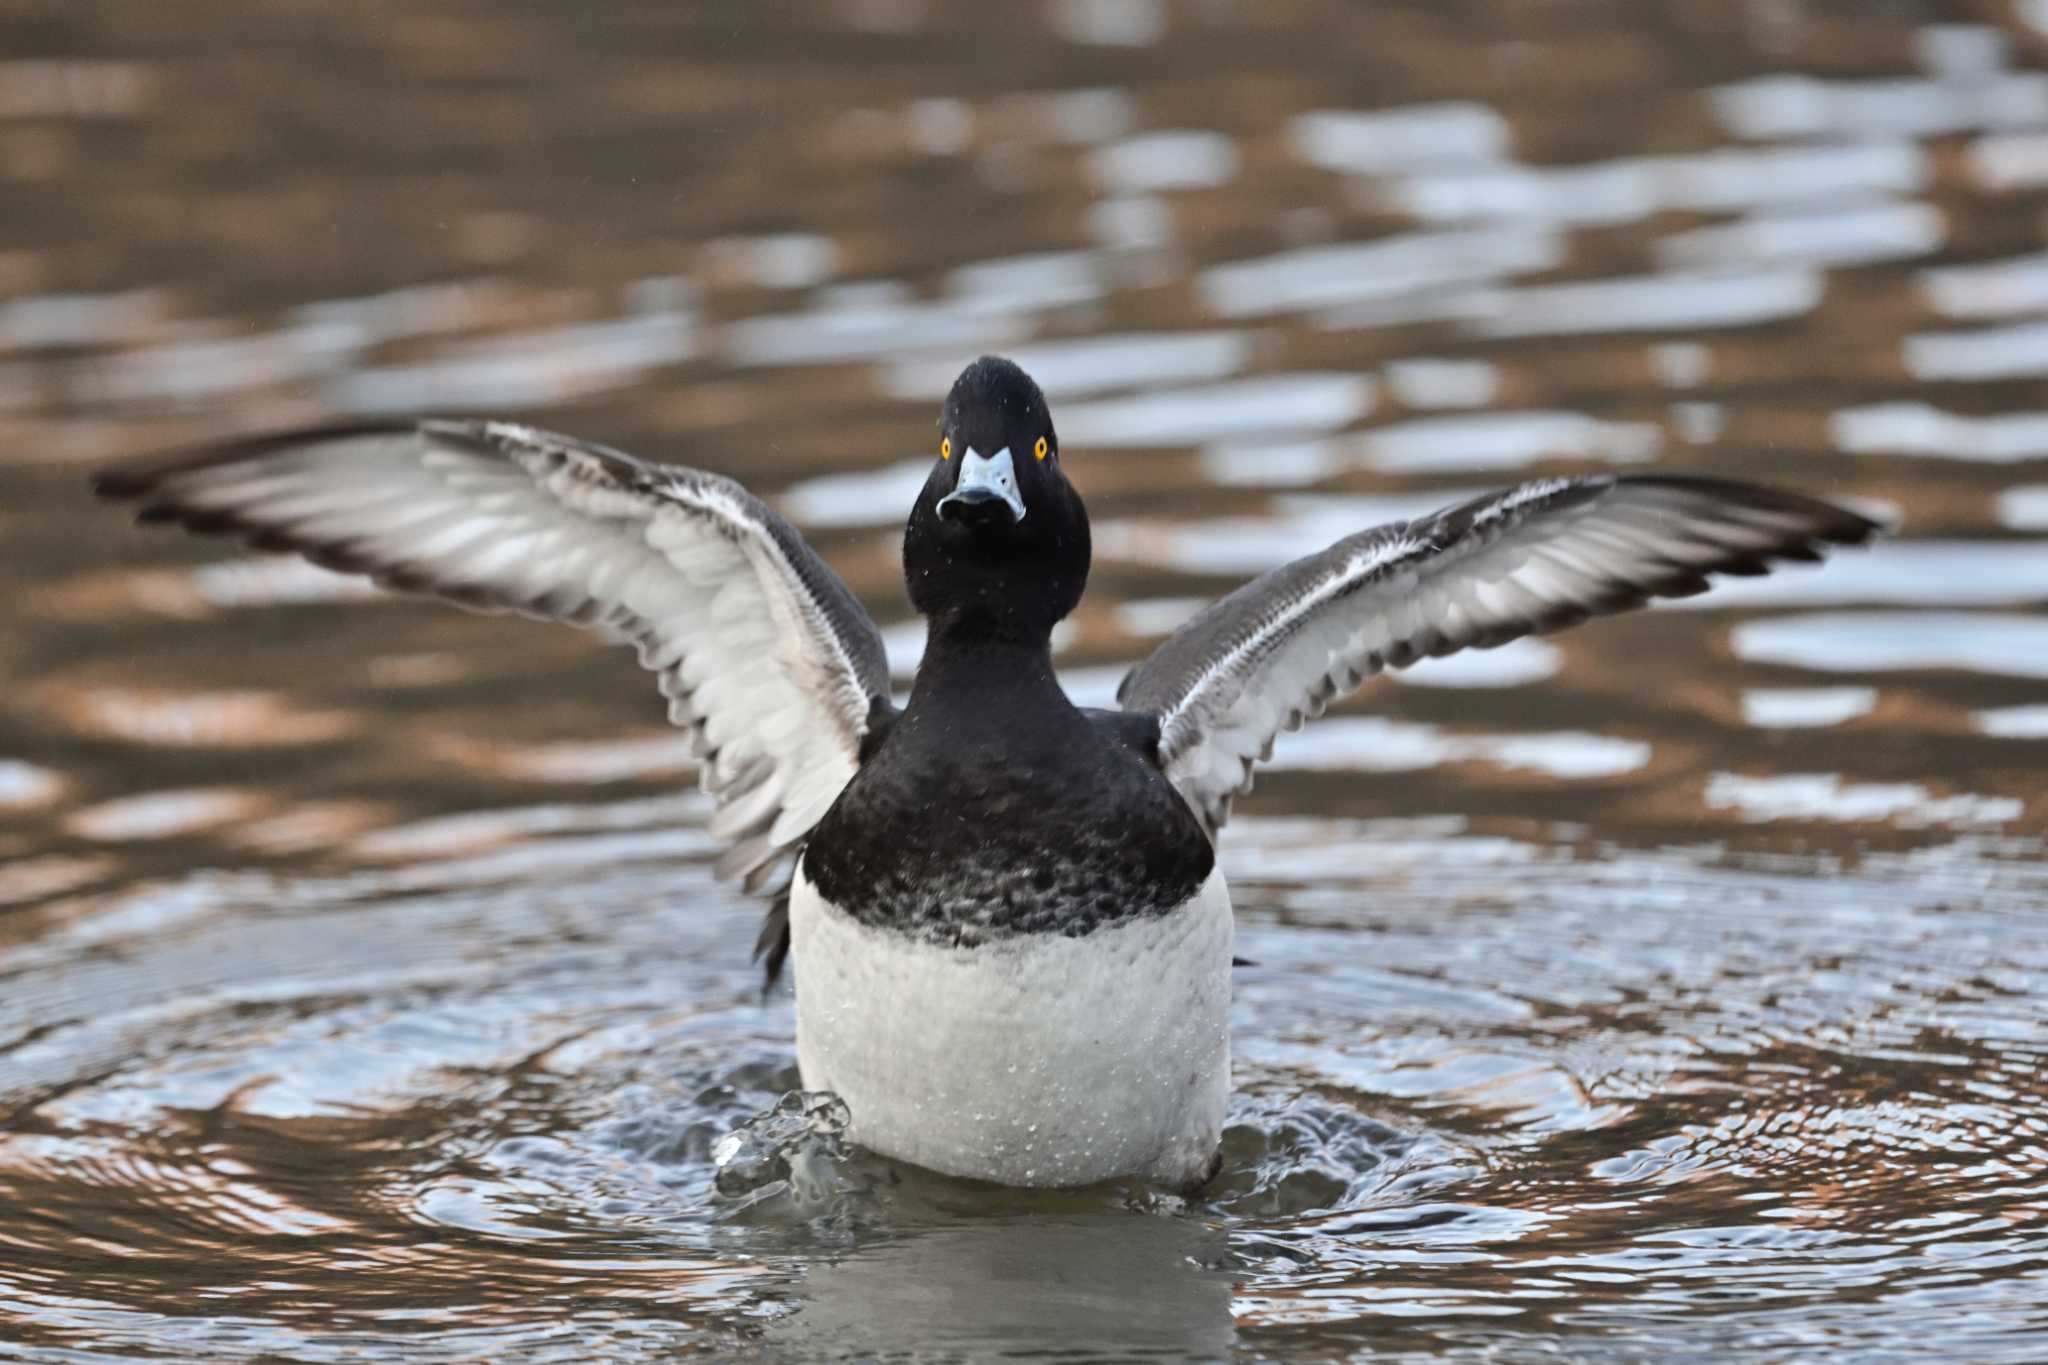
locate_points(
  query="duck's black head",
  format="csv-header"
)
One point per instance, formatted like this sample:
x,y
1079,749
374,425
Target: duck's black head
x,y
998,539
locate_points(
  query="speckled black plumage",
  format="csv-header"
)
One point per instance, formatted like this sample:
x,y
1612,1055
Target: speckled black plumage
x,y
993,806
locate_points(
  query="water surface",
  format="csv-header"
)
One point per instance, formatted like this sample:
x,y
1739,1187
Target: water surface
x,y
1675,986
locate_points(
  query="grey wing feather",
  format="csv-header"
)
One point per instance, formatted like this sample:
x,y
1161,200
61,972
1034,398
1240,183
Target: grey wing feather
x,y
767,660
1533,558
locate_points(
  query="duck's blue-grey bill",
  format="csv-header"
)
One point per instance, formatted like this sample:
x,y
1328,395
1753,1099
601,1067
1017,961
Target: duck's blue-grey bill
x,y
986,478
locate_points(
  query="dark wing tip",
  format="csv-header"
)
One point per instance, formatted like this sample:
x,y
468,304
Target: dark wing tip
x,y
1123,687
1825,522
122,483
131,480
771,946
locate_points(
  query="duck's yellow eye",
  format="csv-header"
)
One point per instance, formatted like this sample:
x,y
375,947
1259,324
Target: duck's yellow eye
x,y
946,448
1040,448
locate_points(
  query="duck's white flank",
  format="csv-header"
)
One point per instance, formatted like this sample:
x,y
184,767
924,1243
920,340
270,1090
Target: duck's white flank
x,y
1034,1060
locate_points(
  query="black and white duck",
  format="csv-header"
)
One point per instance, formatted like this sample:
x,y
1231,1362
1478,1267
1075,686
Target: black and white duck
x,y
1011,938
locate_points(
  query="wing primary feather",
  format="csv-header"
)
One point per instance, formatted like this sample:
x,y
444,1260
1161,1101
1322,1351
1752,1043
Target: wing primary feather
x,y
768,661
1535,558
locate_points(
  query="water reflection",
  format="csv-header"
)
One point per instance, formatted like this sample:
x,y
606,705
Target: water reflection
x,y
2024,509
1328,277
1908,428
1369,744
1176,417
1785,707
1824,796
1863,642
1087,365
1663,989
1130,1287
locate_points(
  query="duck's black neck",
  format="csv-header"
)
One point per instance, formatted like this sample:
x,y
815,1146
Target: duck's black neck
x,y
966,659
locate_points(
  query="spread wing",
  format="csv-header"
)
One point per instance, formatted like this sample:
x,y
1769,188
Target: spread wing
x,y
766,658
1534,558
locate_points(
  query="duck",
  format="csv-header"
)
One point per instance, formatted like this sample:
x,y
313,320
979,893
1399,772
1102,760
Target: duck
x,y
1012,941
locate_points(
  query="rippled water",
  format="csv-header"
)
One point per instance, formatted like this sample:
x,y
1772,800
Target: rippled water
x,y
1678,985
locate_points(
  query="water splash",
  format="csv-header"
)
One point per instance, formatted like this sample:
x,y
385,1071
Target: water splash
x,y
797,1150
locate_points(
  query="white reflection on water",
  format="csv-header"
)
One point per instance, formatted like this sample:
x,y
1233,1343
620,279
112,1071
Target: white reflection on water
x,y
2009,161
1131,222
49,321
523,369
939,126
1272,464
1095,685
1960,49
1981,353
1447,444
1802,107
161,815
414,311
1429,383
1368,143
1698,423
1039,279
1499,440
1326,276
1916,428
1376,744
2025,508
1109,23
1824,796
1240,407
1628,189
1853,235
187,371
1855,642
1429,303
24,786
2015,722
1988,289
1174,159
777,260
903,644
1155,615
1086,365
873,497
1651,303
1776,708
1931,573
1681,364
855,322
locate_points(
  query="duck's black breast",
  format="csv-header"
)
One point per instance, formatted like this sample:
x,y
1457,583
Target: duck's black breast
x,y
981,817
